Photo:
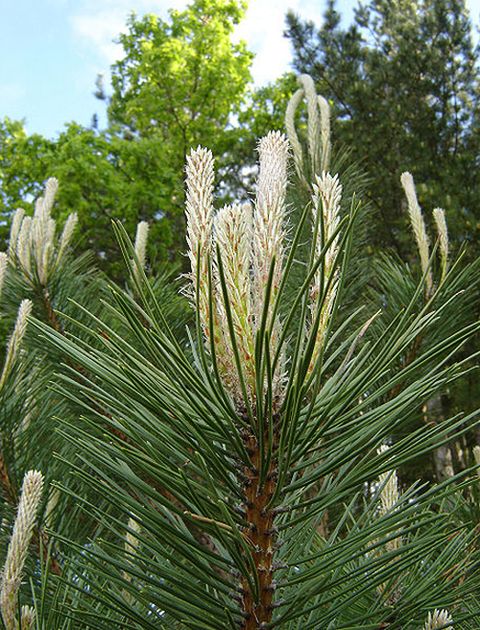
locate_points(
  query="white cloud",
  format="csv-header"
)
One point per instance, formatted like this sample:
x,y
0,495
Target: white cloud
x,y
96,23
263,28
99,31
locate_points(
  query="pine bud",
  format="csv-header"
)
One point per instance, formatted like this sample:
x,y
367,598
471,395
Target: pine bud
x,y
441,224
47,201
24,246
233,236
438,619
269,234
297,150
418,227
141,239
327,195
389,496
66,237
199,212
314,122
3,269
27,618
325,132
270,212
14,232
131,546
15,340
476,455
131,540
18,547
53,498
41,245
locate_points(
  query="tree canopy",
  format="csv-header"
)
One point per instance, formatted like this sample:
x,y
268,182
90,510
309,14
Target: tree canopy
x,y
180,83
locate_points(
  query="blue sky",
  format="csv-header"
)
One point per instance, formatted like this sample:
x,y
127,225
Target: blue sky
x,y
52,50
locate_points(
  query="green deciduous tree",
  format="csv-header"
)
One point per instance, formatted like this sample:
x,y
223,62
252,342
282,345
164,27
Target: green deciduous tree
x,y
23,159
180,83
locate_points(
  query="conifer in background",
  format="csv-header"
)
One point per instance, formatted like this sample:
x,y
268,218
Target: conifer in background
x,y
403,78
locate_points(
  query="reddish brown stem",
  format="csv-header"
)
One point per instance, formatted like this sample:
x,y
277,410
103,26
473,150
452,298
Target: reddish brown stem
x,y
5,482
52,318
41,542
261,533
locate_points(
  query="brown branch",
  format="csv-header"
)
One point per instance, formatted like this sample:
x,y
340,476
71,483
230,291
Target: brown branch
x,y
8,488
41,543
261,533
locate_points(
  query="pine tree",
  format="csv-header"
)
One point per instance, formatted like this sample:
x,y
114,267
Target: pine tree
x,y
245,475
403,78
